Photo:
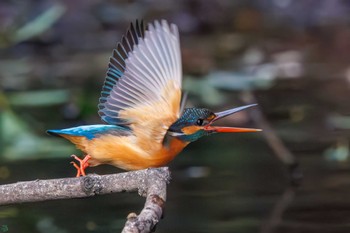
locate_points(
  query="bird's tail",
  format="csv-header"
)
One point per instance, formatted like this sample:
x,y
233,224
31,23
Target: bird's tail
x,y
54,132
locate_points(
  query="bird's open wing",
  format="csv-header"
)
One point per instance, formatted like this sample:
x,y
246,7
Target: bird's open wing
x,y
143,85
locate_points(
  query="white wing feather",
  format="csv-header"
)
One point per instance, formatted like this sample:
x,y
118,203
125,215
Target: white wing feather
x,y
153,63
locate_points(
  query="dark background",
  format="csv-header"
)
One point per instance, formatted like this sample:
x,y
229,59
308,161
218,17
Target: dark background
x,y
291,57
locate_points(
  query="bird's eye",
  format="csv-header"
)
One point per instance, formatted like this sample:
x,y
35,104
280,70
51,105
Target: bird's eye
x,y
200,122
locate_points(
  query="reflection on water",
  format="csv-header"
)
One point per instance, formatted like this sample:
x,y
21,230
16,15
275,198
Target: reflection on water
x,y
241,190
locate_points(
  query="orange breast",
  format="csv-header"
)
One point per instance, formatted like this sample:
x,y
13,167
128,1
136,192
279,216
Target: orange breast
x,y
126,153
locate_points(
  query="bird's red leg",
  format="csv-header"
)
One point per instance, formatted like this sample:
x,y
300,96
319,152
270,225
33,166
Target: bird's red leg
x,y
83,164
77,167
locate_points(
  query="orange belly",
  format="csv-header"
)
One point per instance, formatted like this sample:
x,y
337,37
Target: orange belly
x,y
125,152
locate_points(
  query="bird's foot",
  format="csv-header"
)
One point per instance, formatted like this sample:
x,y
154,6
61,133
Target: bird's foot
x,y
83,164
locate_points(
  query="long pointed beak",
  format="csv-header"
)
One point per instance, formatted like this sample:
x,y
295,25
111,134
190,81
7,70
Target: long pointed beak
x,y
220,129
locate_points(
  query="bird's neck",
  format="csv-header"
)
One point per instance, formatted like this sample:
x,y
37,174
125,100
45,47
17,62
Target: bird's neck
x,y
173,146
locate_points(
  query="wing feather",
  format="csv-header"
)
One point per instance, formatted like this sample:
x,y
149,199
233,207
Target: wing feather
x,y
143,84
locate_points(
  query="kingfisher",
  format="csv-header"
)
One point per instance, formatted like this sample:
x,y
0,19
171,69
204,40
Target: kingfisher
x,y
146,122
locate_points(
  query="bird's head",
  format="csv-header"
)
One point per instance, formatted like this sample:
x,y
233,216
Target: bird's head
x,y
197,122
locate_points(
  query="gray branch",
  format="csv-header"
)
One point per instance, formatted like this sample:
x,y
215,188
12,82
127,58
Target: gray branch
x,y
150,183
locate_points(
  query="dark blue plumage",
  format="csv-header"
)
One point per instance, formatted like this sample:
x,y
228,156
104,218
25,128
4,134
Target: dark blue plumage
x,y
192,117
116,69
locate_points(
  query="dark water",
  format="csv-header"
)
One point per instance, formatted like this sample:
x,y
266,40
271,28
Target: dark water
x,y
219,184
293,55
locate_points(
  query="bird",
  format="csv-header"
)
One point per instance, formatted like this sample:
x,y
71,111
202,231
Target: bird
x,y
142,106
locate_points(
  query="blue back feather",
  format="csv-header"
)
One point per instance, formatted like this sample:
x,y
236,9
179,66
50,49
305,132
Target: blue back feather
x,y
92,131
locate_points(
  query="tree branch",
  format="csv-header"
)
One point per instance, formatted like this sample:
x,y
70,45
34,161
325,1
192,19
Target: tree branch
x,y
150,183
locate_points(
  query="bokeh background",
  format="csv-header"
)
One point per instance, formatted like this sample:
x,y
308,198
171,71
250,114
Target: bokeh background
x,y
290,57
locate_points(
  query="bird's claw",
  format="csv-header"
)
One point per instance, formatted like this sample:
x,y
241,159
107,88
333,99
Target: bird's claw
x,y
83,164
